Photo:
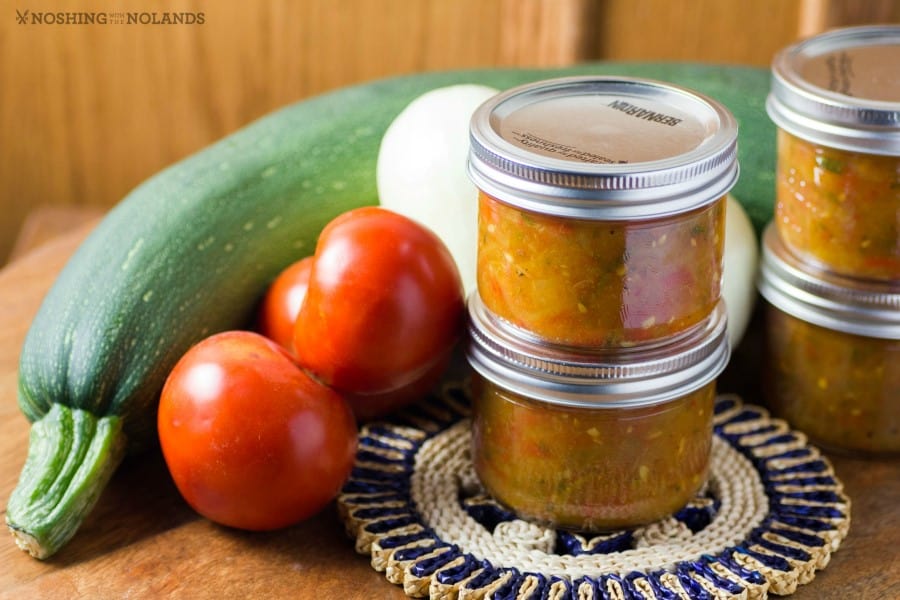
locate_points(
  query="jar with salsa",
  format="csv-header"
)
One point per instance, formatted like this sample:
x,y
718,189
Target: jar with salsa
x,y
602,208
836,101
833,353
592,441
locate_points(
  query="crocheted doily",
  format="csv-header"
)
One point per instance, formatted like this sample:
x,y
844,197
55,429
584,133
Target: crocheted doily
x,y
770,516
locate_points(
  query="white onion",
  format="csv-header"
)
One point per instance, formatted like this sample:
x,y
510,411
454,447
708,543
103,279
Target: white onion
x,y
421,169
738,281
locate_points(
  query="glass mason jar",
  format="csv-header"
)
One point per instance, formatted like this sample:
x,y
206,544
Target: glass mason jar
x,y
602,208
592,441
836,101
833,353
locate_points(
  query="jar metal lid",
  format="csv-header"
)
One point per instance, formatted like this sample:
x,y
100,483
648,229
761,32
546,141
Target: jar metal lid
x,y
868,308
603,148
841,89
601,378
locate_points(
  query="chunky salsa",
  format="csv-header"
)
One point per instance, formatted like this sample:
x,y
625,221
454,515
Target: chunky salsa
x,y
590,469
610,283
842,390
838,208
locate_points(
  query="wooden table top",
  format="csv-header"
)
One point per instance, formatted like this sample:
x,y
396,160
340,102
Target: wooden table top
x,y
143,541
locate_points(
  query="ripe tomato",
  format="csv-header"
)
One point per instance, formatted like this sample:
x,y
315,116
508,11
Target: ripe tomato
x,y
250,440
383,310
282,301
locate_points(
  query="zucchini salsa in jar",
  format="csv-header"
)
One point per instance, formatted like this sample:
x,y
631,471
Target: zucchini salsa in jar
x,y
592,441
832,353
836,101
602,208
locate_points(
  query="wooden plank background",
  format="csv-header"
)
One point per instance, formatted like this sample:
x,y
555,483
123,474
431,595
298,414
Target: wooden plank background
x,y
89,111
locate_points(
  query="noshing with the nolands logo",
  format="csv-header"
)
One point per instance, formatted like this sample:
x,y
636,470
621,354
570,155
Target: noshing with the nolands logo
x,y
28,17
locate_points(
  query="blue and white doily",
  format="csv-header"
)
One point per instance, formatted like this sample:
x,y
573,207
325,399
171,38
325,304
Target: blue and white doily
x,y
770,517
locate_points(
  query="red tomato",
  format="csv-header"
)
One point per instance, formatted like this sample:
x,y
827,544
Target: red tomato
x,y
369,406
282,301
382,312
251,440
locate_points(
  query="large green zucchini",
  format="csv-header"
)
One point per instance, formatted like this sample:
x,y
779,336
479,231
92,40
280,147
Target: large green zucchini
x,y
189,252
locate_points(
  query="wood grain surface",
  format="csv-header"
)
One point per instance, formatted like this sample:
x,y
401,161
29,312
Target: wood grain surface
x,y
88,111
142,541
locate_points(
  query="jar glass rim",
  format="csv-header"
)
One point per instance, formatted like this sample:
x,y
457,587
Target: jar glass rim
x,y
852,305
642,375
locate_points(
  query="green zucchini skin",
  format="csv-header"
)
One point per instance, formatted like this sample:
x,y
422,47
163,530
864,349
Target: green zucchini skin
x,y
189,252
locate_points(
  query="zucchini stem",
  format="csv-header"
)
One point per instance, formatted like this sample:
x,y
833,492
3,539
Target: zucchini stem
x,y
72,454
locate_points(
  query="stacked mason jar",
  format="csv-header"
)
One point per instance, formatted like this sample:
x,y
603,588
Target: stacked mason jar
x,y
831,258
597,329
